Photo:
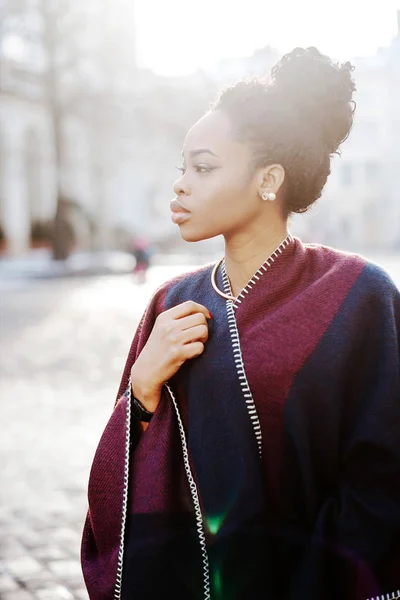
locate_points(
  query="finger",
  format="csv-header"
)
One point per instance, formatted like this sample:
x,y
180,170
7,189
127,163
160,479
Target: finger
x,y
192,350
195,334
192,321
189,308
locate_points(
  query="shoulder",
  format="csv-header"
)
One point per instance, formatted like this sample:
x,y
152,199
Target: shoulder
x,y
378,296
333,257
333,271
370,290
369,287
372,277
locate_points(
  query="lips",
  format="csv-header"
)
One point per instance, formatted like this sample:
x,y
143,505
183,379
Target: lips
x,y
177,207
180,214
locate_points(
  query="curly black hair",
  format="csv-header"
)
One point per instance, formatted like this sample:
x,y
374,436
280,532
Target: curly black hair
x,y
297,117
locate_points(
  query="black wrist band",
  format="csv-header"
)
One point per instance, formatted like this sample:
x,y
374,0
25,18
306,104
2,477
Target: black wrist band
x,y
139,411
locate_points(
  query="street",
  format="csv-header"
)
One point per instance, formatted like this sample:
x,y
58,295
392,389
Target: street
x,y
63,346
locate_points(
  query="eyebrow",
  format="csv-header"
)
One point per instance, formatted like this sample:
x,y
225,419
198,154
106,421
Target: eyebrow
x,y
194,153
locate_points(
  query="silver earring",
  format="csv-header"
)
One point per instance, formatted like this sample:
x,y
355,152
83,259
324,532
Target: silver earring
x,y
268,196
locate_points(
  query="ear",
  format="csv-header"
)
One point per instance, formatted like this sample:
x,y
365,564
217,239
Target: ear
x,y
271,179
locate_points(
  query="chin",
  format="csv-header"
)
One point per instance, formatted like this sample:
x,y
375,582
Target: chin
x,y
195,236
192,237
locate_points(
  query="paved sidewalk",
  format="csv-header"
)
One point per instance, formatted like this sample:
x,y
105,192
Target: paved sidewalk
x,y
38,264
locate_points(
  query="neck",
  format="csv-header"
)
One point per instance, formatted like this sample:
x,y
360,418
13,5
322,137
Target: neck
x,y
247,251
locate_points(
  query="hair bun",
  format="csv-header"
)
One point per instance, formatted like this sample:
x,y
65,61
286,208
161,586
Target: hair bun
x,y
319,90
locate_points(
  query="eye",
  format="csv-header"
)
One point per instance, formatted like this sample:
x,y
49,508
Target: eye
x,y
198,168
203,169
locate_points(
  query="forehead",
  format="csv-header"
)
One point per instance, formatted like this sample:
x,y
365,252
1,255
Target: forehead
x,y
214,132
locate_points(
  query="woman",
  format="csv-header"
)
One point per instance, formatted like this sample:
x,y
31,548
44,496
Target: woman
x,y
254,448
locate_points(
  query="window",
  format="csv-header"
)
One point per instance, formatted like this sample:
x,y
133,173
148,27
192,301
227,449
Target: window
x,y
364,133
346,175
372,172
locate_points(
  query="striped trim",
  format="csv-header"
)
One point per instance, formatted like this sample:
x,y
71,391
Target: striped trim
x,y
390,596
196,501
118,580
264,267
237,354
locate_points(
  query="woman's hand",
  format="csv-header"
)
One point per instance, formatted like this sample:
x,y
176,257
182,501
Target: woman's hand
x,y
178,335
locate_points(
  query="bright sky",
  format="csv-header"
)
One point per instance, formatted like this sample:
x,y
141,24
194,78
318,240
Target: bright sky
x,y
175,37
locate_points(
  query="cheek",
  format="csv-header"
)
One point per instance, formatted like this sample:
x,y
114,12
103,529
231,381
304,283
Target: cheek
x,y
225,191
234,201
221,206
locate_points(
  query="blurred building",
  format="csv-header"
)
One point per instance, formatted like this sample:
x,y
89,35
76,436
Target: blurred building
x,y
360,207
122,129
93,53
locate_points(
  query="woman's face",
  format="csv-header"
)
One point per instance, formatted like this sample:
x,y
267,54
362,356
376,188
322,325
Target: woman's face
x,y
217,192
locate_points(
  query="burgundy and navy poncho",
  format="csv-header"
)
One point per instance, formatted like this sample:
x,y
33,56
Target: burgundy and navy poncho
x,y
271,468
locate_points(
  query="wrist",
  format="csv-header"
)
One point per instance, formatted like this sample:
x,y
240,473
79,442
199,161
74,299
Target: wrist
x,y
139,411
148,396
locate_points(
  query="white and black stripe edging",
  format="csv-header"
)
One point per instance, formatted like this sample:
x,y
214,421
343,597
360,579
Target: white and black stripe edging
x,y
264,267
238,358
390,596
195,498
118,579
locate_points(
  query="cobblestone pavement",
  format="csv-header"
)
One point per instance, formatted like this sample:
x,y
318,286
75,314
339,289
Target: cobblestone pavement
x,y
63,345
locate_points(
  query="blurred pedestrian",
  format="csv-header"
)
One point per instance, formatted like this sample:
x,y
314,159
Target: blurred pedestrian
x,y
141,250
254,448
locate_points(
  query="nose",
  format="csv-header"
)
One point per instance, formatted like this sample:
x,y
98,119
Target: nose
x,y
180,187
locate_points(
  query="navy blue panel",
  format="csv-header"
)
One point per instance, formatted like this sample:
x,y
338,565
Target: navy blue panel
x,y
222,444
340,489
